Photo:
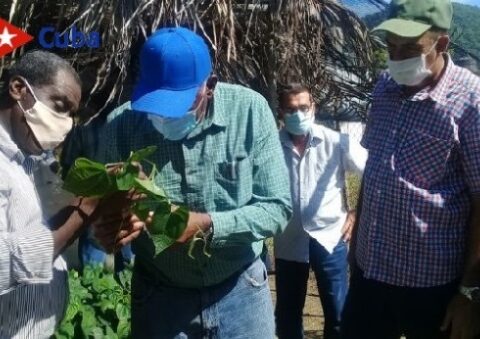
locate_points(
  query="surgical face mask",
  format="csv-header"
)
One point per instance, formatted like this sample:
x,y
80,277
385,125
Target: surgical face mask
x,y
48,126
412,71
175,128
298,123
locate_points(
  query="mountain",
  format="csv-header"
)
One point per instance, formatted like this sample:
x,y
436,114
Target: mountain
x,y
361,7
470,2
366,7
466,26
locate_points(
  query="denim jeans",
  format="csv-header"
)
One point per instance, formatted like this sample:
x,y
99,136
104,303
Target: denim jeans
x,y
89,253
240,307
291,283
376,310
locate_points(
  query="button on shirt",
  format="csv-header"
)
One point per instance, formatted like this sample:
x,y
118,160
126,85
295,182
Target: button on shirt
x,y
230,166
423,165
33,286
317,181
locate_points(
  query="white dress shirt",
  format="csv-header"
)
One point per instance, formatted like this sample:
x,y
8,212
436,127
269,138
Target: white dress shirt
x,y
33,285
317,181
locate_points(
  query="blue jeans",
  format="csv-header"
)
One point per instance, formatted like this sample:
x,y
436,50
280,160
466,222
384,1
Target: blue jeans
x,y
89,253
291,283
240,307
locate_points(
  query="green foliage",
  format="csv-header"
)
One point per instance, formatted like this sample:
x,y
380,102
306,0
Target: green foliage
x,y
92,179
381,56
99,307
354,182
466,20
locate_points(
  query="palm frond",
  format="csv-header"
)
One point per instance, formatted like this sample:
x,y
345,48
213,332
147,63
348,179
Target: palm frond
x,y
259,43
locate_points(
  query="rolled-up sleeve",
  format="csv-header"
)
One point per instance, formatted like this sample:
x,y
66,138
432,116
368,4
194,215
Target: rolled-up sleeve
x,y
26,255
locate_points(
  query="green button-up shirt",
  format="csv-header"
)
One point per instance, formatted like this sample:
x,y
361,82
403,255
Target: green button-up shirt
x,y
230,166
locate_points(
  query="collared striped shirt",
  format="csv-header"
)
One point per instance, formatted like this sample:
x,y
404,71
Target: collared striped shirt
x,y
33,286
231,166
317,181
423,166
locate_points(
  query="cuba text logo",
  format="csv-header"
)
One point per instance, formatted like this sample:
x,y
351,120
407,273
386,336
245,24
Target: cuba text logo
x,y
72,38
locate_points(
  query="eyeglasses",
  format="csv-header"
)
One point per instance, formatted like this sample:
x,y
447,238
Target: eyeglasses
x,y
291,110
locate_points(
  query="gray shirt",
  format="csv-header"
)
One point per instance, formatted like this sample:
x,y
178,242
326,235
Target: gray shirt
x,y
33,285
317,180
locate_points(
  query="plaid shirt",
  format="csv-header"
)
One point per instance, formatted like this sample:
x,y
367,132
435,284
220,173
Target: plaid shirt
x,y
423,166
230,166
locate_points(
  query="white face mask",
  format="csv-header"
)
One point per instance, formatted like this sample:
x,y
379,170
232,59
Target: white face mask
x,y
412,71
299,123
175,128
48,126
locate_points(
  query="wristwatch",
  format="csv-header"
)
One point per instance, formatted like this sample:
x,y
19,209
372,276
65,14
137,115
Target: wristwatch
x,y
471,293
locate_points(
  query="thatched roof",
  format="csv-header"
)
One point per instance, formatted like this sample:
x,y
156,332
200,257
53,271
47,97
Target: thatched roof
x,y
261,44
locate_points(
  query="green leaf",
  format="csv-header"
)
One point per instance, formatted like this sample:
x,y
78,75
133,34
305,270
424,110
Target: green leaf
x,y
72,310
126,179
89,179
123,329
66,330
142,154
142,208
148,186
106,305
97,333
88,322
177,222
167,227
160,219
123,312
111,334
162,242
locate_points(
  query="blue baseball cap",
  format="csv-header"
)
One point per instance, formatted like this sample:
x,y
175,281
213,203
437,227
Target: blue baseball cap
x,y
174,63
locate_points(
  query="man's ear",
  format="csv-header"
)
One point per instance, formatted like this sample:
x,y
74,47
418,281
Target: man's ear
x,y
443,44
211,84
17,88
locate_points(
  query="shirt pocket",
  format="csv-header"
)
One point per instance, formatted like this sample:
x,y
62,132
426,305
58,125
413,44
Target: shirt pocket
x,y
422,158
234,181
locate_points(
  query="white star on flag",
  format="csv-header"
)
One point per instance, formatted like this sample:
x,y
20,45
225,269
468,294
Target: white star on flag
x,y
6,37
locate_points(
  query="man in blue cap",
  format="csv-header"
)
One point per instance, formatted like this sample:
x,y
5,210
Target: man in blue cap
x,y
416,247
218,154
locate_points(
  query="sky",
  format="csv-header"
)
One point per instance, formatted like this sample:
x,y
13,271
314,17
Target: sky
x,y
470,2
363,7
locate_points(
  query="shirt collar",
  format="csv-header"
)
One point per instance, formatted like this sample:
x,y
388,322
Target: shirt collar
x,y
443,87
218,111
215,116
315,137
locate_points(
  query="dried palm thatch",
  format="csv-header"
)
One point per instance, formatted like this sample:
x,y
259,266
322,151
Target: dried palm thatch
x,y
258,43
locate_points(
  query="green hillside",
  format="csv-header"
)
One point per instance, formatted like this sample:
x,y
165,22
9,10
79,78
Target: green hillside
x,y
466,26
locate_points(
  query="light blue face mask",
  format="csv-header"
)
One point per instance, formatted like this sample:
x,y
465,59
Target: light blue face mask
x,y
298,123
175,128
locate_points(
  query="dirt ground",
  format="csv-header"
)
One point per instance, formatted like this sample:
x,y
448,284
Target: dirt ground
x,y
312,312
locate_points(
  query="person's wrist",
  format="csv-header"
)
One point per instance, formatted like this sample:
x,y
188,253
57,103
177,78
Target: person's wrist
x,y
85,207
208,225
